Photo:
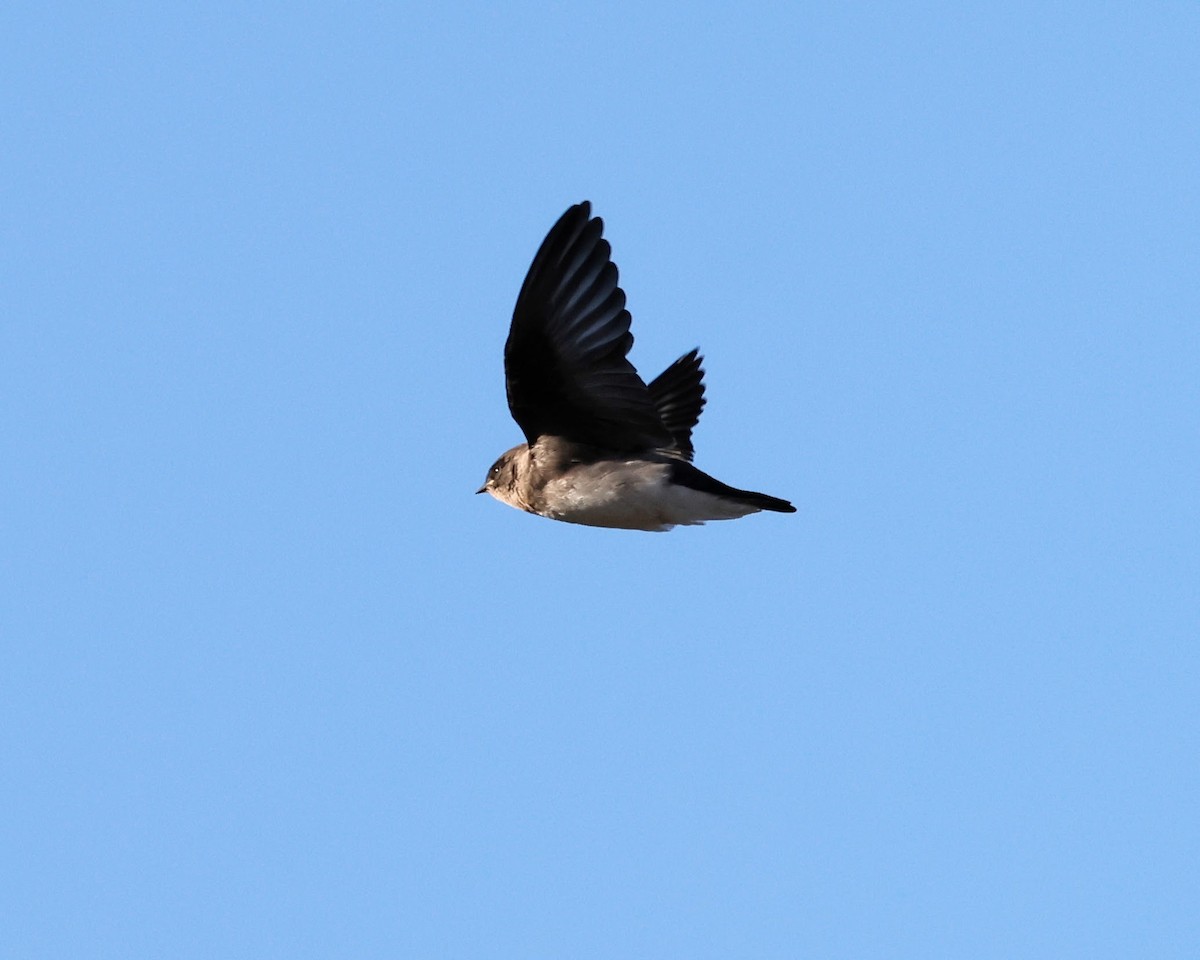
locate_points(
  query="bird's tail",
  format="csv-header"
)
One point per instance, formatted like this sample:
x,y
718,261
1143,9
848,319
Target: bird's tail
x,y
684,473
762,501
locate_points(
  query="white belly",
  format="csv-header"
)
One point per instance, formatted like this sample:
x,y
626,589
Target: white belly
x,y
632,496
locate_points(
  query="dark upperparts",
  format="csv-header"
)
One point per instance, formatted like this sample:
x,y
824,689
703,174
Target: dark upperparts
x,y
686,475
678,394
565,362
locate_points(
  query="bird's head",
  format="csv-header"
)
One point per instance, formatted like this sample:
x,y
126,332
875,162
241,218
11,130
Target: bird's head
x,y
502,480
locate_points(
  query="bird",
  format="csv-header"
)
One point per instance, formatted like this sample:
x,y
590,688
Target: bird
x,y
603,448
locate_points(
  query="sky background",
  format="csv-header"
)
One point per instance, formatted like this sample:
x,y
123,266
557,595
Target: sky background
x,y
274,683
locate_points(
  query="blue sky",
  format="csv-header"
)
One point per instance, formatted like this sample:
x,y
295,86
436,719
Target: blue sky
x,y
276,684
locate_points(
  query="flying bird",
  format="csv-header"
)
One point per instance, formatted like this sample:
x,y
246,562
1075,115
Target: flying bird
x,y
602,447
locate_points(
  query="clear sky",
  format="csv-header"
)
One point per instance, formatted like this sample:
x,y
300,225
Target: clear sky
x,y
274,683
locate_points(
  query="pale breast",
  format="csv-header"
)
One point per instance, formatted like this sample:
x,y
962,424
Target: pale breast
x,y
630,495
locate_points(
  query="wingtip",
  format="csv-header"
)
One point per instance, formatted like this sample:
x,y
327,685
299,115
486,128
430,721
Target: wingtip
x,y
574,219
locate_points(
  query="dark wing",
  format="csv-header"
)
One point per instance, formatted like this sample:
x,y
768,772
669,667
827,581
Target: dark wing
x,y
678,394
564,362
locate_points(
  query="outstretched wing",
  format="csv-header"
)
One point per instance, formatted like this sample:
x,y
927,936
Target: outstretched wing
x,y
564,361
678,395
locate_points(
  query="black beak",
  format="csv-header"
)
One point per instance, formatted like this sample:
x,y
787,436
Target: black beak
x,y
482,489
